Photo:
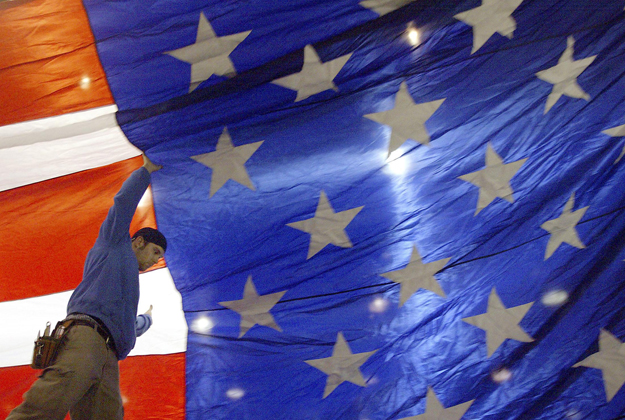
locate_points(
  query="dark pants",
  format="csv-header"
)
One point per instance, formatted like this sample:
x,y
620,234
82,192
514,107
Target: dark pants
x,y
84,380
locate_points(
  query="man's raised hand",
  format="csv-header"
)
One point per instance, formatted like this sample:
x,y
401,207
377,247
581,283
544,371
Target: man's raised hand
x,y
149,165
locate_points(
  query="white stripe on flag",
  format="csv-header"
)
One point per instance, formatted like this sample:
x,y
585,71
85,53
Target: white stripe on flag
x,y
39,150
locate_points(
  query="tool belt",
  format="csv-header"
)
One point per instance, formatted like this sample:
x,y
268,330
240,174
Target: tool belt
x,y
47,346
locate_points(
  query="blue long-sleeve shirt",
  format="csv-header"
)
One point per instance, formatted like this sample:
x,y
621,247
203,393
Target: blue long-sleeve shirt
x,y
109,290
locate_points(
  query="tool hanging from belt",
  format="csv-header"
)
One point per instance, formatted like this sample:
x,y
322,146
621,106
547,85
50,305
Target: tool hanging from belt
x,y
47,345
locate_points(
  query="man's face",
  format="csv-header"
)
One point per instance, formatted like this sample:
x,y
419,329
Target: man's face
x,y
147,253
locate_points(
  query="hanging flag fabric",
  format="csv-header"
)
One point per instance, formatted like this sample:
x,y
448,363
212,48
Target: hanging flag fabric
x,y
322,165
385,209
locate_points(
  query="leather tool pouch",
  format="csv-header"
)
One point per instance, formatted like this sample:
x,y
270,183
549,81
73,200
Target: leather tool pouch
x,y
47,346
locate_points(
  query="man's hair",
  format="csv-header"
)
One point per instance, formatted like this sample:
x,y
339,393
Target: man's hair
x,y
152,235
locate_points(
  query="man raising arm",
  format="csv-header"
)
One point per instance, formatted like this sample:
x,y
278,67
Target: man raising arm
x,y
102,317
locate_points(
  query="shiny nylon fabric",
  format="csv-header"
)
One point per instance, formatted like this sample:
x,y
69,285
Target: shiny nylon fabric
x,y
324,143
43,43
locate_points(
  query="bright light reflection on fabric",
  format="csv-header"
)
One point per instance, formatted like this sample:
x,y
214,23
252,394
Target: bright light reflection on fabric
x,y
378,305
235,393
413,36
202,324
397,165
501,375
85,82
555,298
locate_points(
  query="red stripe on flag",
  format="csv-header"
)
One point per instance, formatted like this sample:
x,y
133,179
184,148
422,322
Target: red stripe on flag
x,y
47,228
153,387
47,49
14,382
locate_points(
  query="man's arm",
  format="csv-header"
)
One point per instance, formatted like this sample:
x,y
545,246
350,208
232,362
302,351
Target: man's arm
x,y
117,223
143,322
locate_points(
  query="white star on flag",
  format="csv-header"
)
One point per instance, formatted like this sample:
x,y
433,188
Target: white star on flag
x,y
611,360
562,229
326,227
434,410
494,180
500,323
227,162
417,275
382,7
617,132
406,119
563,76
209,54
254,309
342,366
315,76
492,16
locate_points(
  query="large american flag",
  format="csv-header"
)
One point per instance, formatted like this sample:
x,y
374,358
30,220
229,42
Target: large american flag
x,y
376,209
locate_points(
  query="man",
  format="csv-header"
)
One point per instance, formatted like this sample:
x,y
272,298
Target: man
x,y
84,377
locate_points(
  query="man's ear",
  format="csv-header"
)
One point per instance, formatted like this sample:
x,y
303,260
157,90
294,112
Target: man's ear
x,y
138,242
